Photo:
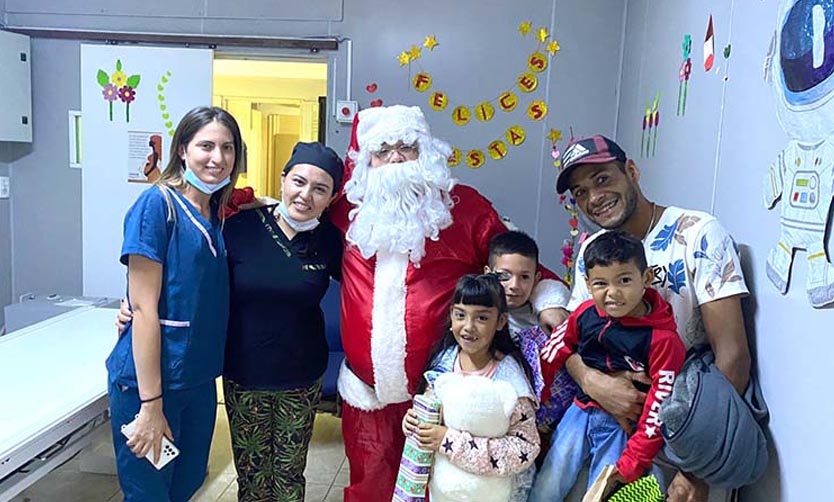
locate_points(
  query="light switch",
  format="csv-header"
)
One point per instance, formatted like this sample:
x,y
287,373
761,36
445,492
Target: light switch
x,y
4,187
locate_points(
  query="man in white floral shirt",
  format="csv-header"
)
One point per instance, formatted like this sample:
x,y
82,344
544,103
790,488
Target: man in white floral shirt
x,y
696,267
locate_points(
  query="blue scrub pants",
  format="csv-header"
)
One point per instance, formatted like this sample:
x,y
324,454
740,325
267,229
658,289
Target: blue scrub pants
x,y
190,414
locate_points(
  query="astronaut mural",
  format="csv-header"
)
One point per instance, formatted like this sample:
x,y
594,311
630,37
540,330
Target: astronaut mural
x,y
800,68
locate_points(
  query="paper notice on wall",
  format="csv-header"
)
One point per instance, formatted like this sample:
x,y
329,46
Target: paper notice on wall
x,y
144,157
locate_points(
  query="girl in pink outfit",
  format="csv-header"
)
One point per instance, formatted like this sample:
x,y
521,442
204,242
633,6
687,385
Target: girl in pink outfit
x,y
478,343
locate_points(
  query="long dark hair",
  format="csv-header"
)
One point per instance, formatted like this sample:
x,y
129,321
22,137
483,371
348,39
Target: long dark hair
x,y
484,290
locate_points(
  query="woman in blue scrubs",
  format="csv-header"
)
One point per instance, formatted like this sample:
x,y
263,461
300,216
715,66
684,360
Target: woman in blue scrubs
x,y
281,258
163,367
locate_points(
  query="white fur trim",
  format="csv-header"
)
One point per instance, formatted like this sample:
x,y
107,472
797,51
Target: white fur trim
x,y
385,124
388,335
355,392
549,293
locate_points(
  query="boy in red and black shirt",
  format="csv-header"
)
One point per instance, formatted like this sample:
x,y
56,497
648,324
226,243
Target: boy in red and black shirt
x,y
625,326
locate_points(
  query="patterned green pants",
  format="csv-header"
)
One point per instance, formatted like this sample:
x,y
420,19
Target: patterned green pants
x,y
271,432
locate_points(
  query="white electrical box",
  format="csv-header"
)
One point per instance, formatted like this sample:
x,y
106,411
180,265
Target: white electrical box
x,y
346,110
15,88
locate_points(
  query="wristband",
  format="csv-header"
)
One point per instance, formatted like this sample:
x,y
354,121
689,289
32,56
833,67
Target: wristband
x,y
143,401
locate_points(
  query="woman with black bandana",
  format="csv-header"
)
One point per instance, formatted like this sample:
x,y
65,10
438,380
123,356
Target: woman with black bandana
x,y
281,259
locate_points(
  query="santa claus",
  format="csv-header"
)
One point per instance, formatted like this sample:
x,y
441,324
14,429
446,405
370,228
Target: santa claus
x,y
411,233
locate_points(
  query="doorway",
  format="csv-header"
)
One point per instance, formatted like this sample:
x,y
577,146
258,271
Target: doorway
x,y
276,104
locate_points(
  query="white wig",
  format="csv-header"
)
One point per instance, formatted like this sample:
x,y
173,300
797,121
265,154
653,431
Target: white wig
x,y
416,204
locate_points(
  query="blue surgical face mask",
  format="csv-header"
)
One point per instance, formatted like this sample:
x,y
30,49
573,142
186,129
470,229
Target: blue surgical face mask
x,y
298,226
207,188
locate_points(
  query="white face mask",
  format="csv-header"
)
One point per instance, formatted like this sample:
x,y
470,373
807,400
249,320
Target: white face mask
x,y
298,226
207,188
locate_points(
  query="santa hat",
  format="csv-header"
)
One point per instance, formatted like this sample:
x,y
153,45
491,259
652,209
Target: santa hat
x,y
390,124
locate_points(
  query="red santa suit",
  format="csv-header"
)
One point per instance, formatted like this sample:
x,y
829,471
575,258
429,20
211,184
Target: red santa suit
x,y
393,313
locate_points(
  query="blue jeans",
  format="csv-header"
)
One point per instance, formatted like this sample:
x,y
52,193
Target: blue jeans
x,y
582,435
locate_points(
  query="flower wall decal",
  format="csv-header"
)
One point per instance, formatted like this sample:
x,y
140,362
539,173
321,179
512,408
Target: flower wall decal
x,y
110,93
118,86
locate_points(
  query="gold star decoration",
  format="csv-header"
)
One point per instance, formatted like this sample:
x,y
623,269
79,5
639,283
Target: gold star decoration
x,y
554,135
553,47
415,52
430,42
404,58
525,27
543,34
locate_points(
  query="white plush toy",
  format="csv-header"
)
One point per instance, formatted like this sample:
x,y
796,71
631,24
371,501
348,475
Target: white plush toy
x,y
483,408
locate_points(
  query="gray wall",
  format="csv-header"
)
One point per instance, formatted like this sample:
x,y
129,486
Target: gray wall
x,y
5,222
480,55
714,158
259,17
5,244
46,194
9,153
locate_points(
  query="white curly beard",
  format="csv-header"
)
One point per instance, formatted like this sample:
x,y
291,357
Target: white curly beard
x,y
398,206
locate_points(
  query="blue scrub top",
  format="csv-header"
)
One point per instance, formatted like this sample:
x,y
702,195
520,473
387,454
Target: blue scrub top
x,y
194,300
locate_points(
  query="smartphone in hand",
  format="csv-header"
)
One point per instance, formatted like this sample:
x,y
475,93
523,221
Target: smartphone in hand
x,y
169,451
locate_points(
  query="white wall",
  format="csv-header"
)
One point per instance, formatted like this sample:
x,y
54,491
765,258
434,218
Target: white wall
x,y
714,158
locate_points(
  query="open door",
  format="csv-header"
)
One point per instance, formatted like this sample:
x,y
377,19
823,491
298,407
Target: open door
x,y
276,102
132,99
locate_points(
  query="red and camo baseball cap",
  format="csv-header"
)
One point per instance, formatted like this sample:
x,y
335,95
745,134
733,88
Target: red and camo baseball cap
x,y
596,149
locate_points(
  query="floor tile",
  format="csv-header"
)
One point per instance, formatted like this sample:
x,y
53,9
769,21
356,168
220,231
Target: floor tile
x,y
118,497
343,476
212,489
327,451
336,494
221,469
67,483
316,492
327,471
220,457
230,495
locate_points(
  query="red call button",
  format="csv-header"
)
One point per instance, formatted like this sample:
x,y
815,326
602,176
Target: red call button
x,y
345,111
